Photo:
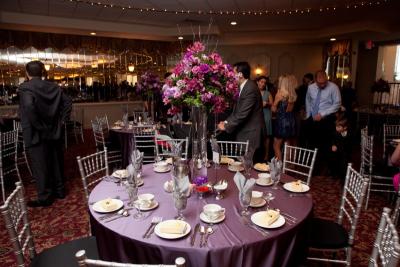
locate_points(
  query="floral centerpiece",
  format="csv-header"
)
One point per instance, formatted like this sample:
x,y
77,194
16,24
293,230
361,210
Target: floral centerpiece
x,y
149,85
200,79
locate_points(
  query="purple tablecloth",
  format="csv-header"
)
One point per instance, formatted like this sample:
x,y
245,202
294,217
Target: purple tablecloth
x,y
233,244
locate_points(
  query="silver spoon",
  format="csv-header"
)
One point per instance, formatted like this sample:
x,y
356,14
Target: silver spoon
x,y
124,214
209,231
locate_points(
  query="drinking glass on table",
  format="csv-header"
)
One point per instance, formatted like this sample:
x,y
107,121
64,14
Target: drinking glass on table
x,y
245,199
275,177
268,196
180,201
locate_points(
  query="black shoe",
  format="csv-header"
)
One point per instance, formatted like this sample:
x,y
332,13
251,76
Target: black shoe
x,y
40,203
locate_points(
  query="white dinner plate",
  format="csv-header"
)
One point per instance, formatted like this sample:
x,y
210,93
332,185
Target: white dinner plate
x,y
153,206
260,168
258,218
257,205
235,169
263,183
98,207
120,174
205,219
225,160
171,236
162,171
288,187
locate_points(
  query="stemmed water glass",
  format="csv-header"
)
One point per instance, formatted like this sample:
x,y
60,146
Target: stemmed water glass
x,y
276,177
245,199
180,201
268,196
133,197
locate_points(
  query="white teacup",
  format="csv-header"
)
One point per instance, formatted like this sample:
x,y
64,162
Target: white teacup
x,y
145,200
161,166
264,178
213,211
236,165
256,197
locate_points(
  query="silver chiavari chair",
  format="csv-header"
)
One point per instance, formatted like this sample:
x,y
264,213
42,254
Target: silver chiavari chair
x,y
386,251
8,157
83,261
103,122
390,132
376,183
144,140
92,169
299,162
22,157
330,236
114,156
165,145
16,220
140,116
396,212
233,149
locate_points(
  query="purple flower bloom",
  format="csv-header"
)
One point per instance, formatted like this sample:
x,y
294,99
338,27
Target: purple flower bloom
x,y
200,180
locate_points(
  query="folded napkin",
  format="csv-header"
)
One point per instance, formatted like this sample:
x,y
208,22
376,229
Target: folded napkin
x,y
297,186
108,204
244,185
173,227
271,216
182,185
275,167
226,160
125,120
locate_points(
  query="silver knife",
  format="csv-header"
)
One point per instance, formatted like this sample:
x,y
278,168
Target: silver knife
x,y
193,238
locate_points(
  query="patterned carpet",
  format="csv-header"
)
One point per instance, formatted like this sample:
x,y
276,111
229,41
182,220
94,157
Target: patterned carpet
x,y
68,219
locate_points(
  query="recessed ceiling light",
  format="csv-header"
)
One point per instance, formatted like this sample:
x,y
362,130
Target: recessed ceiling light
x,y
333,39
233,23
180,38
92,33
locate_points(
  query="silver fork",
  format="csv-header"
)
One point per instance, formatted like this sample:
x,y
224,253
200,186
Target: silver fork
x,y
150,230
247,222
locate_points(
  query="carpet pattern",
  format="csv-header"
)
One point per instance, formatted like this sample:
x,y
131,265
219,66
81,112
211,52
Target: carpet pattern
x,y
67,219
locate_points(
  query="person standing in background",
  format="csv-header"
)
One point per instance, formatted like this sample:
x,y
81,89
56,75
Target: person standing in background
x,y
43,109
267,102
322,102
285,127
300,108
246,123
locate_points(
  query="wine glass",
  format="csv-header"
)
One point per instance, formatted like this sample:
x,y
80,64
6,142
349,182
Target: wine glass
x,y
268,196
245,199
180,201
276,177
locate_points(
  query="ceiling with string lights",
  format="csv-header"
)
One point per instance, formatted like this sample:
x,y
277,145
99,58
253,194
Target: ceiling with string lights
x,y
230,22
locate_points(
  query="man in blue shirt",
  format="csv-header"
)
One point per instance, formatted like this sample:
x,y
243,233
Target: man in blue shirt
x,y
322,102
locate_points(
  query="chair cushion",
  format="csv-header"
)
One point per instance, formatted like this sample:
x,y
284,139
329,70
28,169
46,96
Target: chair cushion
x,y
325,234
64,255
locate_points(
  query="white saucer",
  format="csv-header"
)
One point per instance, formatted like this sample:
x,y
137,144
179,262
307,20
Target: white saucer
x,y
262,203
99,208
121,174
288,187
258,218
162,171
259,182
171,236
155,205
235,169
205,219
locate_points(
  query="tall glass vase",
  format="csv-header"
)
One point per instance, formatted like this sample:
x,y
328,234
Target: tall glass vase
x,y
199,141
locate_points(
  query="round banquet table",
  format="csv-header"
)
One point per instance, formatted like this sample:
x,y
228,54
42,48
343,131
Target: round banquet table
x,y
232,244
122,139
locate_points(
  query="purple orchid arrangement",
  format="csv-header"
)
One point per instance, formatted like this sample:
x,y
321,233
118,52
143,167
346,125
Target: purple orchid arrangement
x,y
200,180
200,79
148,85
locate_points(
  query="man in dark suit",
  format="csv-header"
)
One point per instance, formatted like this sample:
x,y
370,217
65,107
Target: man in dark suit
x,y
43,110
246,121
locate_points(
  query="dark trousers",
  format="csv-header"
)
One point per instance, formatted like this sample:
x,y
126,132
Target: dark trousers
x,y
47,168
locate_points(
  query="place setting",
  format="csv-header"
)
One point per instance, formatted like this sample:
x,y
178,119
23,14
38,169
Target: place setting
x,y
161,167
264,179
297,188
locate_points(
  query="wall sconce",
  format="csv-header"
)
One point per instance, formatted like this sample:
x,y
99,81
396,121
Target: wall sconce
x,y
47,67
258,71
131,67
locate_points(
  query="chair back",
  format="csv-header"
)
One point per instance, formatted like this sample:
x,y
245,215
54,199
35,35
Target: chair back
x,y
17,224
144,140
165,145
299,162
354,191
386,249
91,167
99,136
8,156
390,132
83,261
367,152
140,116
233,149
103,122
